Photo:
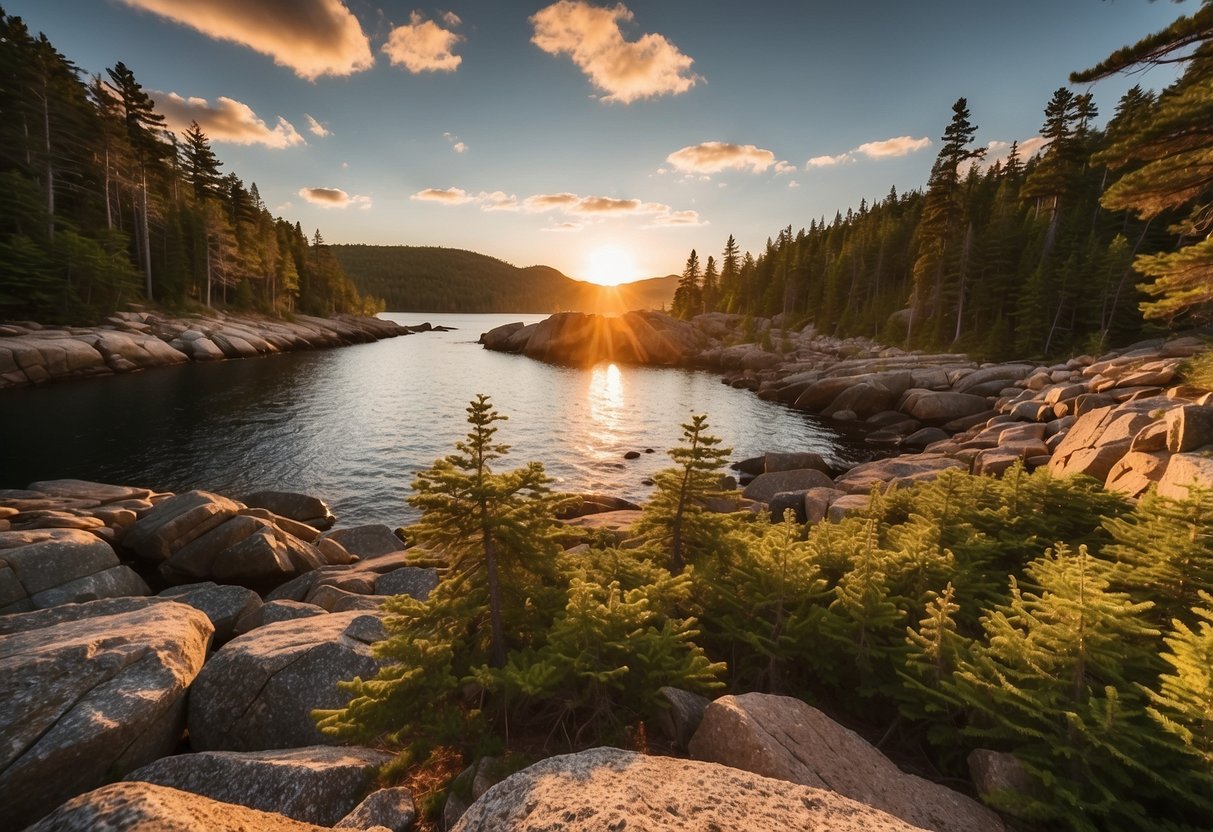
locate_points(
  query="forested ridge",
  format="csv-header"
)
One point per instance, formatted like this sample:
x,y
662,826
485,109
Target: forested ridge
x,y
434,279
101,206
1101,237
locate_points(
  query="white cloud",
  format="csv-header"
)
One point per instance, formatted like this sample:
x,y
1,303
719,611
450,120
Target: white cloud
x,y
564,226
334,198
582,209
456,145
625,70
446,196
883,149
451,19
714,157
828,161
897,146
316,127
227,120
312,37
783,167
677,219
793,184
424,46
497,201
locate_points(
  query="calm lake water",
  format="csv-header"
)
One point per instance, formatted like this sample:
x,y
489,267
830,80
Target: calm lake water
x,y
353,425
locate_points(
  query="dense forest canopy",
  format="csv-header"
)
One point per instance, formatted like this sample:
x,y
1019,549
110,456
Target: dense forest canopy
x,y
101,206
433,279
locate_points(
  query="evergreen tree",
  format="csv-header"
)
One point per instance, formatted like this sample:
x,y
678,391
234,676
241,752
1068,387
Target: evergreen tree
x,y
488,526
1175,156
677,519
688,300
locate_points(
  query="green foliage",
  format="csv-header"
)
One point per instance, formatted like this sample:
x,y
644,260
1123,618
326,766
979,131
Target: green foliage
x,y
677,521
1198,370
605,657
1183,702
517,633
1056,679
1165,551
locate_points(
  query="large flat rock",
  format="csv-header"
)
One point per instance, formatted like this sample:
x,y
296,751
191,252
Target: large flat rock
x,y
145,807
787,739
610,789
89,692
318,784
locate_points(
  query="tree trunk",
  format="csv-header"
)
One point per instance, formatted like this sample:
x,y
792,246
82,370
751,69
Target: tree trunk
x,y
494,582
146,243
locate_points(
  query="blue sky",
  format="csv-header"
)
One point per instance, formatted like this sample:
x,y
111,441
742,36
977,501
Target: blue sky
x,y
543,132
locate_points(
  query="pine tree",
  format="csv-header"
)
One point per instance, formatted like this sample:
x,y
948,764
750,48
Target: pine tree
x,y
1175,154
677,519
688,298
710,290
1183,702
489,527
1056,679
941,216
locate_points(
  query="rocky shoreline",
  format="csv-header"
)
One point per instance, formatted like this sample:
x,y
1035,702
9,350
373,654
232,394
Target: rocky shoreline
x,y
31,353
1124,418
161,655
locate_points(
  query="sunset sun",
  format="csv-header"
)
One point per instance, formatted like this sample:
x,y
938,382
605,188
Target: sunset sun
x,y
610,266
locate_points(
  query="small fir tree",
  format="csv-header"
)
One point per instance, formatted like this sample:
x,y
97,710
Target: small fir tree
x,y
676,519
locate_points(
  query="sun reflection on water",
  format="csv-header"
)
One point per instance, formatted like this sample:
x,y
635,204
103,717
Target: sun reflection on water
x,y
605,396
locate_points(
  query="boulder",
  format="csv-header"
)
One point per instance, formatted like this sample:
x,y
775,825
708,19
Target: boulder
x,y
787,739
933,407
817,503
302,507
794,461
177,521
611,789
85,490
1183,471
274,611
317,784
785,501
1004,374
145,806
766,486
366,541
1189,427
223,605
896,471
414,581
90,691
393,809
258,691
1135,472
47,567
682,715
594,504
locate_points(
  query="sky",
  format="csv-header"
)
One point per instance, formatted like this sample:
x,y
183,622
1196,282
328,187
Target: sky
x,y
605,140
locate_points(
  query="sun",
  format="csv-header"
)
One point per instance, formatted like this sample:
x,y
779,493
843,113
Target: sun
x,y
610,266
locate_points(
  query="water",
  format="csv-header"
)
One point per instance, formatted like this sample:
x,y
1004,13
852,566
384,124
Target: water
x,y
353,425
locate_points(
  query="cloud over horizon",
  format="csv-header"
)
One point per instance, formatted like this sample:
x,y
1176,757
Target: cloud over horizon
x,y
316,127
883,149
583,208
714,157
311,37
227,120
334,198
625,70
424,46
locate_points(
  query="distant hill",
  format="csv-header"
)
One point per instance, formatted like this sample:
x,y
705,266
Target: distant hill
x,y
433,279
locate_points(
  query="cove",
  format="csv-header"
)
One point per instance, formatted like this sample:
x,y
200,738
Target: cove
x,y
354,424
